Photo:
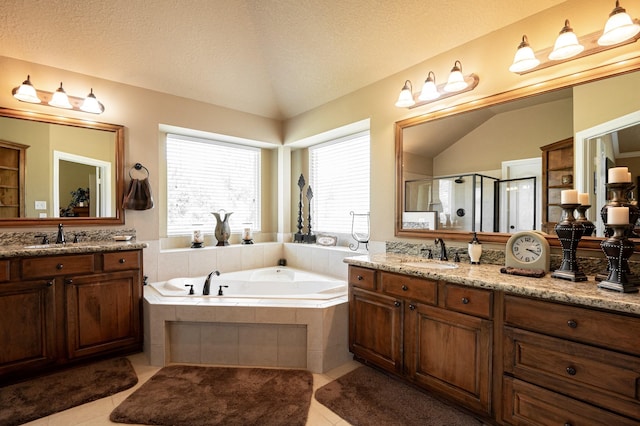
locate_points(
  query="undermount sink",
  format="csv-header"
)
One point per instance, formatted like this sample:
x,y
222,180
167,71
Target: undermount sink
x,y
431,265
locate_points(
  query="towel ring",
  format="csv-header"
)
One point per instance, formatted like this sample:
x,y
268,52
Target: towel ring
x,y
138,166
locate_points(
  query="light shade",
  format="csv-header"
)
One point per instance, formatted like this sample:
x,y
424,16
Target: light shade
x,y
456,82
26,92
60,99
405,99
429,90
91,104
524,59
619,27
566,44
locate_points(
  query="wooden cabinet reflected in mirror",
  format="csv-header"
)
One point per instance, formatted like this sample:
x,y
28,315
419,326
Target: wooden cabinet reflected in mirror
x,y
56,169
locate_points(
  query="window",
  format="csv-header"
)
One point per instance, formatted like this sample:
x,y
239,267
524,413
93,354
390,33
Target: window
x,y
205,176
339,178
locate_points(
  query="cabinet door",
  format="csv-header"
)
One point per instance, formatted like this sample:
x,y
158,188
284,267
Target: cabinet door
x,y
375,328
27,335
451,353
103,313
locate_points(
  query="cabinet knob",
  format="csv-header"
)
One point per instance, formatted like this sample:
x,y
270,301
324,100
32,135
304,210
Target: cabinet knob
x,y
568,424
571,371
412,307
59,266
359,278
68,281
465,301
405,288
396,304
572,324
121,260
49,283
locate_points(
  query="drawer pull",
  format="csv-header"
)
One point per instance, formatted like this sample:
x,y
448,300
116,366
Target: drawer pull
x,y
572,324
49,283
59,266
121,260
405,288
68,281
571,371
465,301
412,307
359,278
396,304
568,424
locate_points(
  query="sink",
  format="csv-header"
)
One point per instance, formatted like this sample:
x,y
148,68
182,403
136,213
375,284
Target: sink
x,y
431,265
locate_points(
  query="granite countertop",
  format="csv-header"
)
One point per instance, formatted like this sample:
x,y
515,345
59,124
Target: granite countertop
x,y
488,276
17,250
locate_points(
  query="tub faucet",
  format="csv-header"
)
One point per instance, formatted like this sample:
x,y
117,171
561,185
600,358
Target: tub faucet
x,y
207,282
443,249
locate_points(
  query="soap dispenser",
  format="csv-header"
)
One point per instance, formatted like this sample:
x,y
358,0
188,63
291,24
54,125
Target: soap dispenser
x,y
475,250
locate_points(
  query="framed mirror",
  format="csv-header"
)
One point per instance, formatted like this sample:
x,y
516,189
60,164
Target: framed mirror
x,y
59,170
501,137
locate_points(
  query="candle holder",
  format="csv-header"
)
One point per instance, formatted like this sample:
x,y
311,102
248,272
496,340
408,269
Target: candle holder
x,y
298,237
569,232
618,249
589,227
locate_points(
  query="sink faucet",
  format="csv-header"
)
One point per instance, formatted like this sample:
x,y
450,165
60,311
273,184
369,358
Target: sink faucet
x,y
60,238
443,249
207,283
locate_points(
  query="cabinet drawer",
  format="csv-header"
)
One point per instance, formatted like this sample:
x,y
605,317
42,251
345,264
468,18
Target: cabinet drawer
x,y
121,260
526,404
57,265
413,288
607,330
362,277
5,270
469,300
597,376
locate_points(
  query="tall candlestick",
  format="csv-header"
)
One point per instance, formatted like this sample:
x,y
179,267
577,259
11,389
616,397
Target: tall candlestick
x,y
618,216
569,196
619,174
583,199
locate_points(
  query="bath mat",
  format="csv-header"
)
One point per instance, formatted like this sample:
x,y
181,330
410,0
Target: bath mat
x,y
368,397
184,395
42,396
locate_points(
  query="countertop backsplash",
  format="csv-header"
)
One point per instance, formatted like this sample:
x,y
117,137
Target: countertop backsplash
x,y
84,235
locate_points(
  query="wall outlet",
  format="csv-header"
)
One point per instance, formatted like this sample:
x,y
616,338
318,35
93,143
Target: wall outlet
x,y
42,215
41,205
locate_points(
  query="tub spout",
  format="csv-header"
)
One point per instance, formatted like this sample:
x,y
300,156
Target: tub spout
x,y
207,283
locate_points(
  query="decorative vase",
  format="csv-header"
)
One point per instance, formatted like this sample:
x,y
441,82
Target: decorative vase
x,y
223,230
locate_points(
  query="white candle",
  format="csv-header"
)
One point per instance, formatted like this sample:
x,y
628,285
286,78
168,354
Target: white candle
x,y
583,199
617,215
569,196
619,174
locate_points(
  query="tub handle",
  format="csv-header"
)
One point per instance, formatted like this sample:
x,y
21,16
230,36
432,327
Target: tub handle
x,y
220,290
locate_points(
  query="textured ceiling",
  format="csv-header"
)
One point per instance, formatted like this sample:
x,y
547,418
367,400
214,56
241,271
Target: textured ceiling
x,y
275,58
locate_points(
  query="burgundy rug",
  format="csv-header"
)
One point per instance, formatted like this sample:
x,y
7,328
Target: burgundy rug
x,y
39,397
182,395
366,396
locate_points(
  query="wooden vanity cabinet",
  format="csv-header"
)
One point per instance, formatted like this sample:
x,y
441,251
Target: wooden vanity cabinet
x,y
435,334
55,310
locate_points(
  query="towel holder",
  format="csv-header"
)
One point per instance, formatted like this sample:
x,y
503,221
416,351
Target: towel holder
x,y
138,167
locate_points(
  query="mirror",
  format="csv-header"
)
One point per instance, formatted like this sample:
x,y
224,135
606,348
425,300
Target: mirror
x,y
501,137
56,169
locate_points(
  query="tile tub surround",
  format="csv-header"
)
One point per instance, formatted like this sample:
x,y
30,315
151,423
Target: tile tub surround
x,y
256,332
488,276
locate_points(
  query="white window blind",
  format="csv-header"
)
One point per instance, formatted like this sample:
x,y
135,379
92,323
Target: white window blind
x,y
339,177
205,176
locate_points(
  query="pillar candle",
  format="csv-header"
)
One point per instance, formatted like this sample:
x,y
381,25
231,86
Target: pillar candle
x,y
617,215
619,174
569,196
583,199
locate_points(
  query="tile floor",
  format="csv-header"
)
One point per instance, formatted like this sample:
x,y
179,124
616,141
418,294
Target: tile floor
x,y
96,413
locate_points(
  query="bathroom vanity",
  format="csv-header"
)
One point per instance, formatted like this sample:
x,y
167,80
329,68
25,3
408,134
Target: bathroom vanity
x,y
513,350
62,304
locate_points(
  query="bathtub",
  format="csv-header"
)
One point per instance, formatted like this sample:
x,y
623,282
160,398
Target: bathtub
x,y
272,282
267,317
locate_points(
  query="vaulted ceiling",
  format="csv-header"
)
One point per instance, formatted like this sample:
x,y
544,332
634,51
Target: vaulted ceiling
x,y
274,58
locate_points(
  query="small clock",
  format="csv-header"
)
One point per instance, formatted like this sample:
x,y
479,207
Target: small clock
x,y
527,250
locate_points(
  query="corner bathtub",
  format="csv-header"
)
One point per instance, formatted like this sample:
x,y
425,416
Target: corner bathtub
x,y
267,317
272,283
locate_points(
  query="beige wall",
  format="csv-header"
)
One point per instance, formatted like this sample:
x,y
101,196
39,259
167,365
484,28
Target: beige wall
x,y
141,111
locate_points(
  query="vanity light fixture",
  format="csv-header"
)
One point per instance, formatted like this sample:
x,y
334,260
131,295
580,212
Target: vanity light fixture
x,y
619,30
457,83
26,92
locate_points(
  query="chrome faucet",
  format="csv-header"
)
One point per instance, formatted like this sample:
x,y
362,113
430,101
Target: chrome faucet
x,y
443,249
207,283
60,238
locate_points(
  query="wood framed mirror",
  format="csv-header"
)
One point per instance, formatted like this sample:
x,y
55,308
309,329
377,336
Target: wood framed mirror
x,y
59,170
434,155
